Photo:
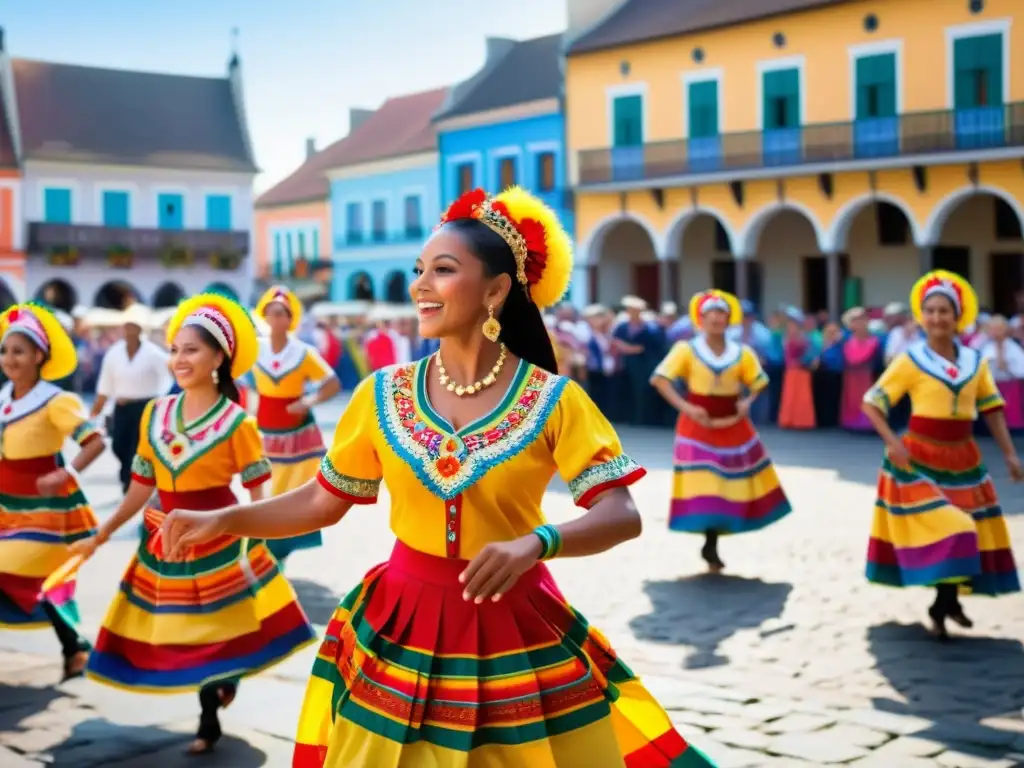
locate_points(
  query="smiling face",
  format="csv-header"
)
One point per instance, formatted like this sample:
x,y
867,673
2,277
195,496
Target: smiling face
x,y
193,358
278,318
452,290
20,359
939,317
714,322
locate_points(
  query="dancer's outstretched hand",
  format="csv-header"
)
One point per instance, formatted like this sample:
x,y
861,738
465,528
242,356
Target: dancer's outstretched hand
x,y
183,529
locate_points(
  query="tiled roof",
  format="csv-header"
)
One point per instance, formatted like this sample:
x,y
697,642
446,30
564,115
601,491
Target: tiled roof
x,y
639,20
400,127
529,71
71,113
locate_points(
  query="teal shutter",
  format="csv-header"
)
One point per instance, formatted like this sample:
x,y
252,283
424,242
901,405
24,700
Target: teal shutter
x,y
876,73
115,209
790,85
702,101
316,244
990,54
628,115
57,205
781,84
769,87
277,254
974,55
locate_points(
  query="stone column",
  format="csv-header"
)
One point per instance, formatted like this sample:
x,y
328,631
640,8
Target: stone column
x,y
742,273
835,285
925,257
667,288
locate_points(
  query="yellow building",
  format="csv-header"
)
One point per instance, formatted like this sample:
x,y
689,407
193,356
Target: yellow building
x,y
831,148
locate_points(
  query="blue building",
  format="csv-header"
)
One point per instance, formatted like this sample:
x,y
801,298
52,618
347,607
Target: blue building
x,y
504,126
384,198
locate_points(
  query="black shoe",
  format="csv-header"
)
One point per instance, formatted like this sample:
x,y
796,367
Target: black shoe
x,y
958,617
74,665
710,554
938,618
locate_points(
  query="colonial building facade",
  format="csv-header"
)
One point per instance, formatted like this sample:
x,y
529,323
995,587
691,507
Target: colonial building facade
x,y
819,153
142,190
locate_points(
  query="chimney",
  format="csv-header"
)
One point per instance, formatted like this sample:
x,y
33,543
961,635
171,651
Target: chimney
x,y
357,116
310,147
582,15
497,48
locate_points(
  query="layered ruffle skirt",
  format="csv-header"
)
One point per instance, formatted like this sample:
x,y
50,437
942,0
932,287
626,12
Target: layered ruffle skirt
x,y
409,674
939,519
723,478
294,446
35,532
225,612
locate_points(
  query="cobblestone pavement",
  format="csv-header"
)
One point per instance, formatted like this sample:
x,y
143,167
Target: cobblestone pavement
x,y
789,659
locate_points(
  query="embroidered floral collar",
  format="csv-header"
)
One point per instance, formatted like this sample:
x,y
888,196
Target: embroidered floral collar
x,y
448,461
12,410
953,375
277,365
177,443
717,363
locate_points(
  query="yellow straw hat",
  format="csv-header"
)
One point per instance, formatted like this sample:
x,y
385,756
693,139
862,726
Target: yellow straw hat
x,y
288,299
44,329
954,288
715,299
224,319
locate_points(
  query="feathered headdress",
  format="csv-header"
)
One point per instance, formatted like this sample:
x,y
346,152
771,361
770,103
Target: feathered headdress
x,y
541,246
713,298
953,287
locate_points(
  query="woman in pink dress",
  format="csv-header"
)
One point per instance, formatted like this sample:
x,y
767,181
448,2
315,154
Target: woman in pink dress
x,y
860,356
1006,361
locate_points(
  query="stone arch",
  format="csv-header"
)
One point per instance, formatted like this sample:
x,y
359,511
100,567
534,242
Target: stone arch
x,y
589,251
785,263
701,243
58,293
115,294
396,287
626,263
837,235
360,286
168,295
751,233
932,230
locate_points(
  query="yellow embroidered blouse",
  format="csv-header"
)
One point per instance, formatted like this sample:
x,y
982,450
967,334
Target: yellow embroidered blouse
x,y
938,389
452,492
706,373
284,374
38,423
175,455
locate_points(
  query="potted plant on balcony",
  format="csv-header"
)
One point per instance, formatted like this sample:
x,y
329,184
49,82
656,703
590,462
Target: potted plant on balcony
x,y
120,257
176,256
226,260
62,256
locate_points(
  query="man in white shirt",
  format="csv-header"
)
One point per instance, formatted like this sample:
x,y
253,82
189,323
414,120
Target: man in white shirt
x,y
133,372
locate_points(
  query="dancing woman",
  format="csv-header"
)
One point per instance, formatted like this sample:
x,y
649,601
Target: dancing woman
x,y
227,612
42,508
724,481
937,519
460,651
291,438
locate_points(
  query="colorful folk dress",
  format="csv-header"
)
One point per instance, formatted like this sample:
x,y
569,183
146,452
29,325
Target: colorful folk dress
x,y
939,519
227,610
410,674
292,442
724,480
35,530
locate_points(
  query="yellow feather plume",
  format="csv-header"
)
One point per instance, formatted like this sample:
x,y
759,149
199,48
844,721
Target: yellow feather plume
x,y
554,281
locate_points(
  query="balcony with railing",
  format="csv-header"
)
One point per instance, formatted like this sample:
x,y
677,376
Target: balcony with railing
x,y
90,239
358,238
908,135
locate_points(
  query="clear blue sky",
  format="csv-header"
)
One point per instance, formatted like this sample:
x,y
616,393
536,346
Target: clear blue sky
x,y
305,62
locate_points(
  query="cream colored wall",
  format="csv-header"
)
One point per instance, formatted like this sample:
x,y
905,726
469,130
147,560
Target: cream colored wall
x,y
627,244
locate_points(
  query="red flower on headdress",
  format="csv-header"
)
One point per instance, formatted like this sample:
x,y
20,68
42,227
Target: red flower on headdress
x,y
465,206
13,315
938,282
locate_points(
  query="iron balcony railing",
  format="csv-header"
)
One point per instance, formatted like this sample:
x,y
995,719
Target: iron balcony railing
x,y
357,237
907,135
87,238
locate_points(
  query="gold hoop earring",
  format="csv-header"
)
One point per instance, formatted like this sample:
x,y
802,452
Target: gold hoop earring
x,y
491,327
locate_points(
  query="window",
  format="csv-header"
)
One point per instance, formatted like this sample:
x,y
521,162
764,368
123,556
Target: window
x,y
380,221
781,107
464,178
170,211
115,208
876,86
702,108
302,245
354,223
978,71
218,212
629,121
413,220
506,172
57,205
316,244
546,171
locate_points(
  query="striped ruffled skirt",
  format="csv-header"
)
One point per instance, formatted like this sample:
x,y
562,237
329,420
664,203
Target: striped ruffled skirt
x,y
939,520
723,478
35,532
410,674
225,612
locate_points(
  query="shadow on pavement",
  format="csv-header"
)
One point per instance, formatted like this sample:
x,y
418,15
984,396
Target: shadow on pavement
x,y
941,682
316,600
706,610
18,702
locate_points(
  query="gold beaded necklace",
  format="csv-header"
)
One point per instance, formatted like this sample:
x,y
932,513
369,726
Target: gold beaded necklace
x,y
486,381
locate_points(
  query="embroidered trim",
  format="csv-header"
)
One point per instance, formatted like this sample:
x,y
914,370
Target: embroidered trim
x,y
876,396
277,366
448,462
991,403
85,432
968,361
603,476
178,446
35,399
352,488
717,364
143,468
257,471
